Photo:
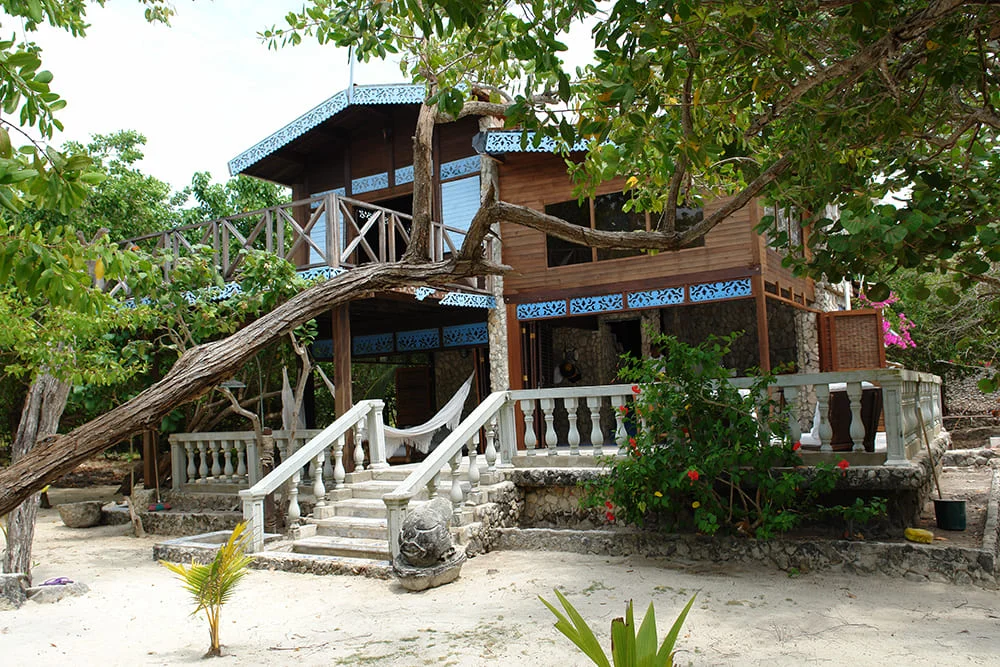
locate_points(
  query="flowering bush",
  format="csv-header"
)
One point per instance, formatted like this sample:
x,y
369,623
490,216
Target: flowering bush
x,y
700,458
896,326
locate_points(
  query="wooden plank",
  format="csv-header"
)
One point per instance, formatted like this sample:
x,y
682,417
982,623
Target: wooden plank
x,y
763,335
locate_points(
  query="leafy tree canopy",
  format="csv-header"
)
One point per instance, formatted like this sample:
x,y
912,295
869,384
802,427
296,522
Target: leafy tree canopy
x,y
814,103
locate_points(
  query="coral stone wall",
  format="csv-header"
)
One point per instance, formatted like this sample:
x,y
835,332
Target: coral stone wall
x,y
962,396
692,324
451,369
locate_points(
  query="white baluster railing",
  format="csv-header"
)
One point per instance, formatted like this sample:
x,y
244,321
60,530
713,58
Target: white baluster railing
x,y
291,467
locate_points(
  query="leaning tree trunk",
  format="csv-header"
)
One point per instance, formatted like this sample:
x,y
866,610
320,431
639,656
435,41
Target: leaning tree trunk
x,y
43,407
419,247
204,367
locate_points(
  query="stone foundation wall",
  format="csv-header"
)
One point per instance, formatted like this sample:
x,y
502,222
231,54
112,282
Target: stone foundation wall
x,y
506,502
451,369
783,335
962,396
692,324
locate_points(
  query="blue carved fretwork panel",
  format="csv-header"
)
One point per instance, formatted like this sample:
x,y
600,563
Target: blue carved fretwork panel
x,y
656,297
374,344
468,300
595,304
466,334
533,311
421,339
721,290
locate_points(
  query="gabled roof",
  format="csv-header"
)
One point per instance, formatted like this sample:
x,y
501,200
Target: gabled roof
x,y
400,93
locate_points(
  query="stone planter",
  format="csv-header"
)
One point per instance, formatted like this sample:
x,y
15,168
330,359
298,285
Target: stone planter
x,y
81,515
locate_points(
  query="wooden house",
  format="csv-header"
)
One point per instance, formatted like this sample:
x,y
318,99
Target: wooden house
x,y
565,312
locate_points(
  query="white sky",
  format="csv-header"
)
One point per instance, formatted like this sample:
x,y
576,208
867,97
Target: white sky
x,y
204,89
201,91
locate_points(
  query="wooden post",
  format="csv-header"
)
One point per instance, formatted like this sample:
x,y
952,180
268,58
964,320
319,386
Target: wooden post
x,y
763,343
150,469
342,369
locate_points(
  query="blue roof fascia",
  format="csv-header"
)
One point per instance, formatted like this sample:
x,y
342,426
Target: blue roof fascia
x,y
399,93
509,141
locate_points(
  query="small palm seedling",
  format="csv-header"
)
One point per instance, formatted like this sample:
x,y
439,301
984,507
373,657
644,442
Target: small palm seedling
x,y
212,584
629,648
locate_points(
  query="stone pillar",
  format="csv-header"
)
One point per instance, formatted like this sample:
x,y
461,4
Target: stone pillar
x,y
807,360
496,318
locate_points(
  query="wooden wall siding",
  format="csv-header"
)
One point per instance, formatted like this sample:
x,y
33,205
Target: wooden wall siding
x,y
384,144
774,272
538,179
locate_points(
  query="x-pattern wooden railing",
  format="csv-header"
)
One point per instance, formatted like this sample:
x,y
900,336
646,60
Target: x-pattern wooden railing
x,y
356,233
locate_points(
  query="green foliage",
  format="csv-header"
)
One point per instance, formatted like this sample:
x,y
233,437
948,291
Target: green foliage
x,y
629,647
212,585
700,458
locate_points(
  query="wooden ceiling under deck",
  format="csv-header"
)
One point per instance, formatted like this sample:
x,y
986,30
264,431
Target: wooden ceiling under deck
x,y
391,312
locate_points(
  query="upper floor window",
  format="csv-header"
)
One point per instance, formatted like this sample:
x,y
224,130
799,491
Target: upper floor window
x,y
604,212
785,232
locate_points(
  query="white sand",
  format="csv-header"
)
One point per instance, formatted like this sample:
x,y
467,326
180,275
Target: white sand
x,y
137,613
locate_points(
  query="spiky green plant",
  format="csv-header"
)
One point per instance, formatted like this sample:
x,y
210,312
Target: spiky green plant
x,y
629,647
212,584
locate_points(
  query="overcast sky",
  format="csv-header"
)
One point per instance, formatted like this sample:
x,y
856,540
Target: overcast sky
x,y
202,91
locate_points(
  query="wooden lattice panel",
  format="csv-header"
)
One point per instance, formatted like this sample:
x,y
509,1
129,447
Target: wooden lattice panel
x,y
851,340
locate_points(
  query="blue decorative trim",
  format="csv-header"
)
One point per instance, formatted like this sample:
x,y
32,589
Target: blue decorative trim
x,y
323,348
324,272
466,334
463,167
509,141
422,293
387,94
656,297
595,304
532,311
404,175
722,290
421,339
369,183
468,300
374,344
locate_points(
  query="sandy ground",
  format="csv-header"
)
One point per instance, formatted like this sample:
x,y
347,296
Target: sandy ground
x,y
137,614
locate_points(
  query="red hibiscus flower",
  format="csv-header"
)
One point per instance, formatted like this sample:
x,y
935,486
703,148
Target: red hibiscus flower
x,y
796,446
607,503
623,409
693,475
635,389
609,516
843,465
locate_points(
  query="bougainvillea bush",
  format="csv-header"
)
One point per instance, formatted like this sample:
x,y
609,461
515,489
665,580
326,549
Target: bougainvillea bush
x,y
698,457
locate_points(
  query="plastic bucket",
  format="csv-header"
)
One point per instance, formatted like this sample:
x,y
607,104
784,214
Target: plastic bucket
x,y
950,514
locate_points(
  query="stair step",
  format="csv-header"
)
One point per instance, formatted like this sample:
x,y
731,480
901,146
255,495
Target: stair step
x,y
351,526
360,507
349,547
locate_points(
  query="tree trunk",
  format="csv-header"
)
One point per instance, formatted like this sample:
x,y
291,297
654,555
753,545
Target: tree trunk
x,y
43,407
418,249
204,367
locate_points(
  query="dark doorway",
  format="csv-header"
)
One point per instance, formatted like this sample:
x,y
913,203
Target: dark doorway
x,y
628,337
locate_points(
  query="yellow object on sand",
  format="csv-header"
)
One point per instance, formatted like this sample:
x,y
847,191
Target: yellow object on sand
x,y
918,535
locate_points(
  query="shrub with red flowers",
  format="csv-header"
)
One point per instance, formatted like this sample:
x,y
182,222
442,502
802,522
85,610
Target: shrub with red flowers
x,y
700,459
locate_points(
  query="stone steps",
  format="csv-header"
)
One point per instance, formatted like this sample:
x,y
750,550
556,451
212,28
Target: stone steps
x,y
347,547
349,526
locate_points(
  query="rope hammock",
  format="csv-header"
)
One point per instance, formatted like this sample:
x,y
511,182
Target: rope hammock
x,y
419,437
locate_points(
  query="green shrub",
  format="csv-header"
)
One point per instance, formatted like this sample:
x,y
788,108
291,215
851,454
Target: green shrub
x,y
699,458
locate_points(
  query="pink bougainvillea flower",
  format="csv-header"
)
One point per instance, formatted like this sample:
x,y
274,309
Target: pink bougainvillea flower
x,y
693,475
843,465
636,389
796,446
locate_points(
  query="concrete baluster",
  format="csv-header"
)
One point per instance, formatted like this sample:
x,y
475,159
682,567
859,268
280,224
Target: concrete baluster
x,y
339,474
216,468
456,495
473,465
319,491
825,429
241,461
528,408
596,435
621,435
854,393
227,454
573,436
202,462
548,406
192,471
792,405
491,449
359,447
294,511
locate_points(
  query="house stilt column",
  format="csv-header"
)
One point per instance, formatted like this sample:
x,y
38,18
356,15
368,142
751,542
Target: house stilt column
x,y
763,338
342,399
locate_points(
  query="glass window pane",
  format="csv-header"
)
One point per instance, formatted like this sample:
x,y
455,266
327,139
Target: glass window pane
x,y
564,253
609,216
459,203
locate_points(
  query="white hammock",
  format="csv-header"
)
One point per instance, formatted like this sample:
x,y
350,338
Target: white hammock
x,y
419,437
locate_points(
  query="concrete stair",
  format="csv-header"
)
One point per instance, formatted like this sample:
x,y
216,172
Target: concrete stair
x,y
352,525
